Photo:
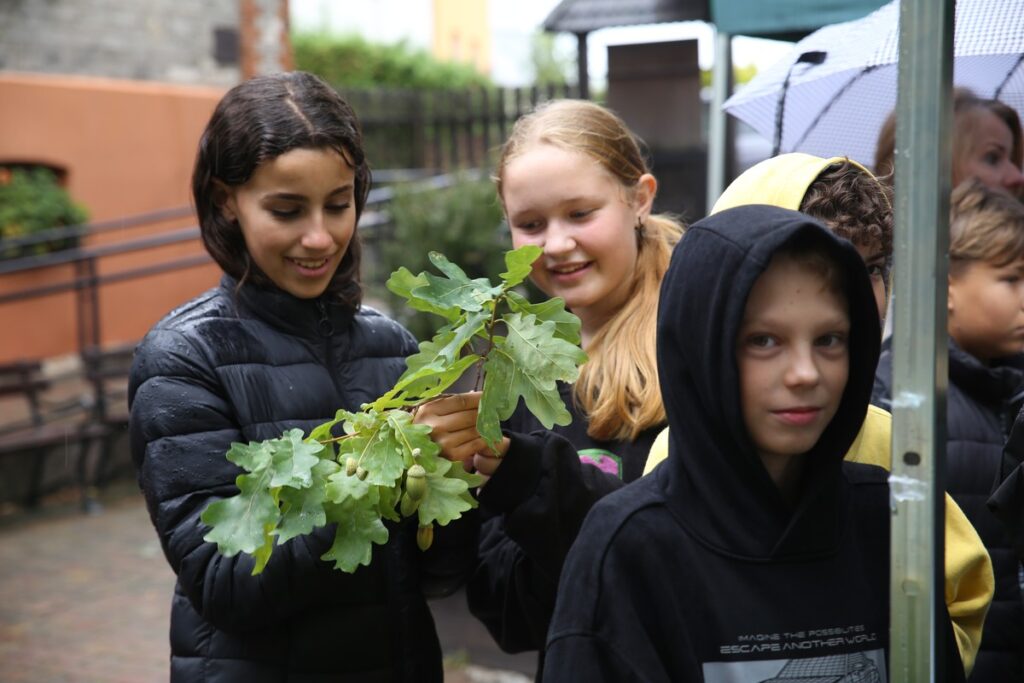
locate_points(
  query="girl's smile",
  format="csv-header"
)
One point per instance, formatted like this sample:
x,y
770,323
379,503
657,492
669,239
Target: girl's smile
x,y
297,215
569,205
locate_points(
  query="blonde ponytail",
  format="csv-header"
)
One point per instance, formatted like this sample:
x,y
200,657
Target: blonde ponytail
x,y
618,387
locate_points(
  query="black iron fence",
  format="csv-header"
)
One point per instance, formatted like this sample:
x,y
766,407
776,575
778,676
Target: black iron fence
x,y
442,130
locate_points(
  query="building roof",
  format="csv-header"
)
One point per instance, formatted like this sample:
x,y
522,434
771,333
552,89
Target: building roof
x,y
583,16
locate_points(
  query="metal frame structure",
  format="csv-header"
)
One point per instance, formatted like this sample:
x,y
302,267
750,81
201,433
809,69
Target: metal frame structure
x,y
920,350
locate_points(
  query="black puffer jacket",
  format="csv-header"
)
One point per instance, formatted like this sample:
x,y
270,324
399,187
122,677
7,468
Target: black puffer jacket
x,y
981,404
246,367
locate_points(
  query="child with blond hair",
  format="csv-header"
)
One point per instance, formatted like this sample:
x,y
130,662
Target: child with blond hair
x,y
754,552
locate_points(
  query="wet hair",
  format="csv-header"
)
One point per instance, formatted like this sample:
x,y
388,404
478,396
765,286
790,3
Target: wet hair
x,y
854,205
618,386
984,225
257,121
966,108
811,252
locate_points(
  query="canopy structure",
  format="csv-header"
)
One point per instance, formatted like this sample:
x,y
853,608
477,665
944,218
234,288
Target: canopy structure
x,y
779,19
784,19
583,16
580,17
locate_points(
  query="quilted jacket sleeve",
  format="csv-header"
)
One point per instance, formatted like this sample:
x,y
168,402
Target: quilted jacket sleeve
x,y
181,426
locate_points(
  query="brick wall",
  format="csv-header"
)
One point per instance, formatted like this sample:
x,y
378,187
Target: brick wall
x,y
162,40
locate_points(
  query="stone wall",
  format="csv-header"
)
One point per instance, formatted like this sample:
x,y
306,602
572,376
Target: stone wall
x,y
176,41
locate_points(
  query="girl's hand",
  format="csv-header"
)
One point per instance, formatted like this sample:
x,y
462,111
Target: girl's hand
x,y
453,423
487,465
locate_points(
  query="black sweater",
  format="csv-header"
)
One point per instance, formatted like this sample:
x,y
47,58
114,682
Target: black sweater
x,y
221,369
536,502
702,571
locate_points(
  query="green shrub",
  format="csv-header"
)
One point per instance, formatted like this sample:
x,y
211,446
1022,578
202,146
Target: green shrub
x,y
464,222
31,200
352,62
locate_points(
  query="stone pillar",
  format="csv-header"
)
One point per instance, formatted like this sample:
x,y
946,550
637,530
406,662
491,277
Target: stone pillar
x,y
265,45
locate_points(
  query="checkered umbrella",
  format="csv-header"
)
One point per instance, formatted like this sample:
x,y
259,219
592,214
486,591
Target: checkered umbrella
x,y
830,95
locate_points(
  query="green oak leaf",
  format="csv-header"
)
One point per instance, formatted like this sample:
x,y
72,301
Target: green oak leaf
x,y
253,456
542,355
567,325
455,289
472,479
342,487
358,528
527,363
463,331
302,510
450,270
402,282
411,436
375,446
292,459
430,381
468,295
435,368
519,264
444,499
325,431
262,554
241,523
388,503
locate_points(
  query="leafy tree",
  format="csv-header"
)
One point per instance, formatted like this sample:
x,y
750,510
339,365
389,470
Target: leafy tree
x,y
353,62
549,65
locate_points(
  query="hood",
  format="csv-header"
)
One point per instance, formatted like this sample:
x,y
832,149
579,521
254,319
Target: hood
x,y
714,479
780,181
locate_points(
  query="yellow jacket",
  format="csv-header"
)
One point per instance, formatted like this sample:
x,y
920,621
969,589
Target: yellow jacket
x,y
969,581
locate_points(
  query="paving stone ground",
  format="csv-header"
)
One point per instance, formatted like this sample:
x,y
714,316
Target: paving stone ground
x,y
84,598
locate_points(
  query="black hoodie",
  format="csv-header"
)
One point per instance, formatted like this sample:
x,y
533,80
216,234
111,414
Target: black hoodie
x,y
702,571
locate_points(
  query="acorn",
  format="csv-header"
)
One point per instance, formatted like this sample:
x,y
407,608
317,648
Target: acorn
x,y
416,482
361,473
350,466
409,505
425,536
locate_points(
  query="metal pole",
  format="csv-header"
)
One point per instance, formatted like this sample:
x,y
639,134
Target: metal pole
x,y
582,66
721,77
920,352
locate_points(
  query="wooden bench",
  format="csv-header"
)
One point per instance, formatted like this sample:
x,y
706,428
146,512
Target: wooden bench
x,y
32,428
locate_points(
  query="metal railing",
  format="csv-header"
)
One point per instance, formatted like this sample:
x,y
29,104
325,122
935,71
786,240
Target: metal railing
x,y
86,281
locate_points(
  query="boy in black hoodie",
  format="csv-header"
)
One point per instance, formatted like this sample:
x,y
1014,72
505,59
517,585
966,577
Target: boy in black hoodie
x,y
755,552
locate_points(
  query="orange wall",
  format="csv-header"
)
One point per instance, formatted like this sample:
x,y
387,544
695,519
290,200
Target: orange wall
x,y
127,148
